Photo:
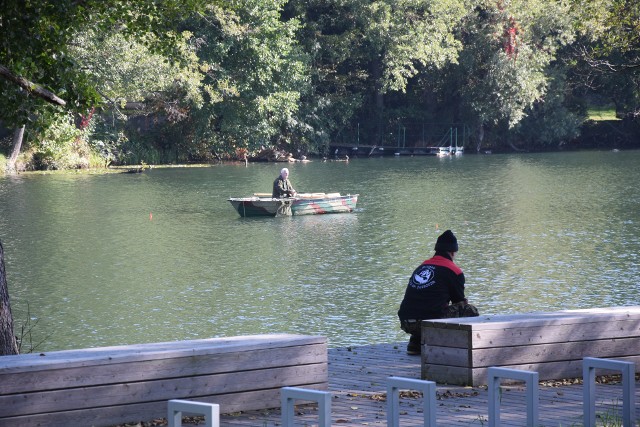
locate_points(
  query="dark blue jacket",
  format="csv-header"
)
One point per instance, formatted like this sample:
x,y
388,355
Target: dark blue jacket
x,y
431,287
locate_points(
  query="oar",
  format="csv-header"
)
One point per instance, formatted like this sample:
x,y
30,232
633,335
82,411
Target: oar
x,y
310,195
303,195
268,195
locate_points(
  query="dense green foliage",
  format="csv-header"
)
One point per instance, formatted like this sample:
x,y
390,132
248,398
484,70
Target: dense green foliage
x,y
194,80
37,41
608,51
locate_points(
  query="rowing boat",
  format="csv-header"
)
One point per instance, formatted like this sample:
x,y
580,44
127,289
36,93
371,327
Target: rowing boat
x,y
262,204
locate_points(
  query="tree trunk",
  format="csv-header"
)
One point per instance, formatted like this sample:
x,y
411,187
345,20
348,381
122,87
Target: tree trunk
x,y
480,137
32,88
514,148
8,344
18,136
379,102
380,116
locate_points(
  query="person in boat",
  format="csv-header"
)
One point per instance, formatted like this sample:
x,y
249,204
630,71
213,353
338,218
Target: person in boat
x,y
433,285
282,186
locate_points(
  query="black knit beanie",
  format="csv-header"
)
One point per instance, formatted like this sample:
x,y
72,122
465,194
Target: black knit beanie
x,y
447,242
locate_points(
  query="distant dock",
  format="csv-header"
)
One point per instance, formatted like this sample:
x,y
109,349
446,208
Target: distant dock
x,y
342,150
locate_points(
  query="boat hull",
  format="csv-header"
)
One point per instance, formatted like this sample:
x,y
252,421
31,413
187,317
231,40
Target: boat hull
x,y
263,206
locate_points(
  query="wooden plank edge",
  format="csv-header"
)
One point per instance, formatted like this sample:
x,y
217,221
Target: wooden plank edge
x,y
142,392
110,416
151,351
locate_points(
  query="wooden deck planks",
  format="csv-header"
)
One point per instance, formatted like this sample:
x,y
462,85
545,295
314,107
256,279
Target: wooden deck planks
x,y
357,381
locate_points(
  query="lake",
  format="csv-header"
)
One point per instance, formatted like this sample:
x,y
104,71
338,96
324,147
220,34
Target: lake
x,y
107,259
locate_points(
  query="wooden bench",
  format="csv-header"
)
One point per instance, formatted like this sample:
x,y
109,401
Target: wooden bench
x,y
459,351
114,385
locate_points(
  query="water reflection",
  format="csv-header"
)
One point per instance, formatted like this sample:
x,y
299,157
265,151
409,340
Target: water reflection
x,y
112,259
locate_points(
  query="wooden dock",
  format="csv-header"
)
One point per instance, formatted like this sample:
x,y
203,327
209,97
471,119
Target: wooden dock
x,y
357,381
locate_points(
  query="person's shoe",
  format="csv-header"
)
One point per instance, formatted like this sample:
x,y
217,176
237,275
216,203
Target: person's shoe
x,y
413,349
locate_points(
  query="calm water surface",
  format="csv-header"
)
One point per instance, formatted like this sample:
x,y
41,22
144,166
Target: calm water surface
x,y
120,258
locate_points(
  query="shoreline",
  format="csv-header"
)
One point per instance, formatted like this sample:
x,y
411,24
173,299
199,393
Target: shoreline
x,y
144,167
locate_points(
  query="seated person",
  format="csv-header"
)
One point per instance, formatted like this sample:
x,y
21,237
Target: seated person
x,y
282,186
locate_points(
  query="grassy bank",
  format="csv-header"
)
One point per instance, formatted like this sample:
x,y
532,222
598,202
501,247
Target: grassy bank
x,y
600,113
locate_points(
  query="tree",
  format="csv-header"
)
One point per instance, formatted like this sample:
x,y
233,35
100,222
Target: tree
x,y
550,121
35,37
611,31
363,50
255,73
608,51
8,344
508,48
134,81
408,37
